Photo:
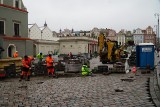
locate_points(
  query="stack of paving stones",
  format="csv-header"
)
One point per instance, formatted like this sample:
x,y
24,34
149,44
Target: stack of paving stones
x,y
10,70
119,67
39,69
97,91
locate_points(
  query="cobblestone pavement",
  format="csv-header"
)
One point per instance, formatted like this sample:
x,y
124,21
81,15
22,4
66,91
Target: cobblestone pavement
x,y
97,91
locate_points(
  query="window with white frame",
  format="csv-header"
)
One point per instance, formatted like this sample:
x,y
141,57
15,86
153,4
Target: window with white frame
x,y
2,27
1,1
16,29
17,3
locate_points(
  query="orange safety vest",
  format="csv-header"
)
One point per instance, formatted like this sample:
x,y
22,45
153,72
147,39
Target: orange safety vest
x,y
26,63
15,55
49,61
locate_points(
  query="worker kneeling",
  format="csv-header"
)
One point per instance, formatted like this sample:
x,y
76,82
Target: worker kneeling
x,y
86,71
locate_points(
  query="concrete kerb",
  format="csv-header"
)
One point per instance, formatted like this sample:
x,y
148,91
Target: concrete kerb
x,y
154,91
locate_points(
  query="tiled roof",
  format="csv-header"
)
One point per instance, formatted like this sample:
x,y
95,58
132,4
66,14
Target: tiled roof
x,y
42,27
22,10
30,25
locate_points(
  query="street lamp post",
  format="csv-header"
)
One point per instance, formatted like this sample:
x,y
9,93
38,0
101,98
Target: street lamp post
x,y
156,34
157,15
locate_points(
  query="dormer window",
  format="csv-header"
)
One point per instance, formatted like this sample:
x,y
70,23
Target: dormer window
x,y
17,3
1,1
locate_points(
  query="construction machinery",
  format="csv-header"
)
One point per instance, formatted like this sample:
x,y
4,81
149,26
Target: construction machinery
x,y
108,50
111,53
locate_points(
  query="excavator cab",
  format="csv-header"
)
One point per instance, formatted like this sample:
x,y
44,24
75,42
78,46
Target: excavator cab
x,y
107,49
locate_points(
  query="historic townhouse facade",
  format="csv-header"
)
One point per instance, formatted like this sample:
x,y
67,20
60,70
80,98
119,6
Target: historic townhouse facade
x,y
121,37
129,37
76,42
149,35
138,36
144,36
14,28
111,35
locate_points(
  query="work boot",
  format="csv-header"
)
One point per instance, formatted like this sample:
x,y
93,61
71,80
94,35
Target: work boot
x,y
49,75
21,78
54,76
28,78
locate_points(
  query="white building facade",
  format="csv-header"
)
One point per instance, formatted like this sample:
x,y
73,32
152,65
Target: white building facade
x,y
121,37
138,36
45,40
78,44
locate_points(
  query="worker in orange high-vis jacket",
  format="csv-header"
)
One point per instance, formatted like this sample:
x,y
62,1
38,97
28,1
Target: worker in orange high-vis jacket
x,y
26,66
31,59
15,55
50,68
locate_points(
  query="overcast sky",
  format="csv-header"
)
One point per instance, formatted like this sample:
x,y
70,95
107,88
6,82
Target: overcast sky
x,y
87,14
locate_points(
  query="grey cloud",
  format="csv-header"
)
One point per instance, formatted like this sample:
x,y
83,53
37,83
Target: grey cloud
x,y
86,14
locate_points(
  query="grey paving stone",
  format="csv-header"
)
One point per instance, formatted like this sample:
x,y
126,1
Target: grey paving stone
x,y
76,92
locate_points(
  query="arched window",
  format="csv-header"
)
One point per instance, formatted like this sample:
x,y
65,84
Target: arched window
x,y
10,50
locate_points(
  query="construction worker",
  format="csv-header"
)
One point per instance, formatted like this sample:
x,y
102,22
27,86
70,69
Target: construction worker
x,y
85,70
26,66
70,55
31,59
50,68
40,56
15,55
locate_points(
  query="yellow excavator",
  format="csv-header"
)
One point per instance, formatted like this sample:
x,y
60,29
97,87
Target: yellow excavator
x,y
108,50
120,52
